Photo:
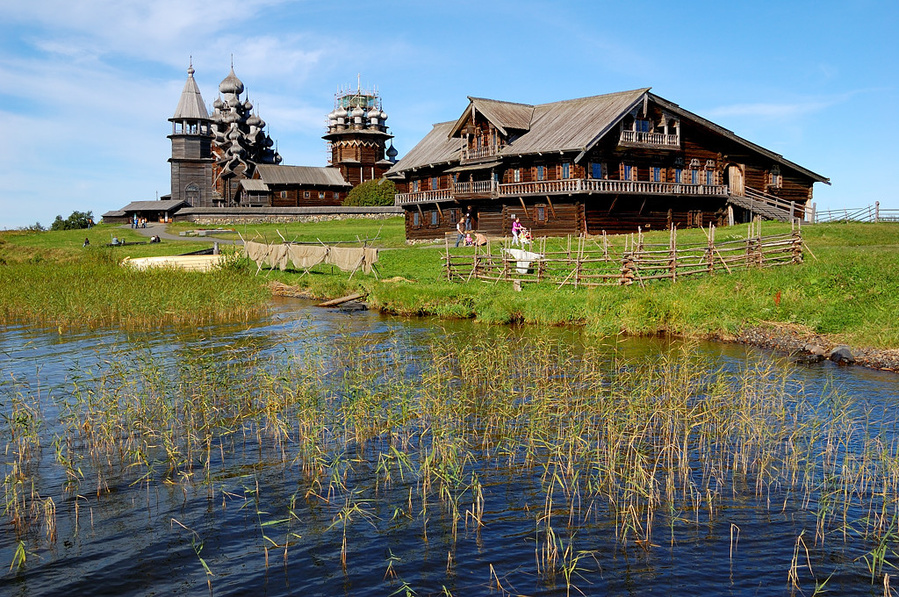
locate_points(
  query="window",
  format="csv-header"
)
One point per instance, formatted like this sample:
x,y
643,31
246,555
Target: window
x,y
541,214
710,177
642,126
516,175
414,186
596,170
321,194
434,219
283,194
416,220
566,170
678,175
541,172
656,174
774,177
435,183
694,176
306,194
336,196
628,172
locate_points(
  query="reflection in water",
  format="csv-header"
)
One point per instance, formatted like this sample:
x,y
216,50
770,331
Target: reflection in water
x,y
322,452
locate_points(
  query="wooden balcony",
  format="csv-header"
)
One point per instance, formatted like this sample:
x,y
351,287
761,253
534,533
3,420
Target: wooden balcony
x,y
489,189
582,185
471,154
649,139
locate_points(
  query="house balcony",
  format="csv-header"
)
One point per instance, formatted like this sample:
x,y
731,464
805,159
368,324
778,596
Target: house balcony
x,y
473,154
489,189
644,139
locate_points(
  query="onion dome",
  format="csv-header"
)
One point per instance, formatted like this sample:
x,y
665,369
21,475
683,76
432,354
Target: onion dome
x,y
392,153
231,84
218,104
383,116
358,112
248,105
254,120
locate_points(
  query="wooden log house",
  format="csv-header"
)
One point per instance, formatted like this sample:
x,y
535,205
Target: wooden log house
x,y
613,163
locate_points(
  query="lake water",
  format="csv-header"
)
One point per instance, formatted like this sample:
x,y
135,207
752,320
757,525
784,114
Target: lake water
x,y
279,500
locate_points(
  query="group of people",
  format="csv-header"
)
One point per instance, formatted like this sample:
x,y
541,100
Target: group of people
x,y
138,222
520,234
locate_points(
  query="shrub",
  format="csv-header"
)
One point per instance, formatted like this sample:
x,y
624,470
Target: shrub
x,y
78,220
372,192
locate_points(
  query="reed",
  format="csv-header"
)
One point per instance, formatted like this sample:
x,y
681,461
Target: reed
x,y
641,446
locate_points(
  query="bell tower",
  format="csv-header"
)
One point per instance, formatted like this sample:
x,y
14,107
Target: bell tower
x,y
357,136
191,147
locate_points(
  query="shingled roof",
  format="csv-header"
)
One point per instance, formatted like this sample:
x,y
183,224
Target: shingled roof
x,y
568,126
190,105
301,175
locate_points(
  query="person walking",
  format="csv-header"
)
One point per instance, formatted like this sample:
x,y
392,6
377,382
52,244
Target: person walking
x,y
516,229
460,228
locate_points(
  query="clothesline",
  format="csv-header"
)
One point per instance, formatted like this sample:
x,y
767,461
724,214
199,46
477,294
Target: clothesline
x,y
304,257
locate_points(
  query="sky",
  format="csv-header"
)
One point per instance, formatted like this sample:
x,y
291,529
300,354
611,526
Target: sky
x,y
87,87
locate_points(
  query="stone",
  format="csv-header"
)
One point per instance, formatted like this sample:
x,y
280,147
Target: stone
x,y
842,355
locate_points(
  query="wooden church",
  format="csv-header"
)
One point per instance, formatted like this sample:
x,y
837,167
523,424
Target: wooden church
x,y
613,163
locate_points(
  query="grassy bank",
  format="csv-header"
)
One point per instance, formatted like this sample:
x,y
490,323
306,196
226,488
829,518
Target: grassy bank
x,y
48,278
847,288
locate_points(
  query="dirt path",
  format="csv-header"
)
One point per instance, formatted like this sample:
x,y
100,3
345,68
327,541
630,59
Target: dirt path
x,y
157,229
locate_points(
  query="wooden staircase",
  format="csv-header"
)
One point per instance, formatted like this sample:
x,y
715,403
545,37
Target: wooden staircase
x,y
765,205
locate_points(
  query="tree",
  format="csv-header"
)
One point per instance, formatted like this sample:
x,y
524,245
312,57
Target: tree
x,y
372,192
77,221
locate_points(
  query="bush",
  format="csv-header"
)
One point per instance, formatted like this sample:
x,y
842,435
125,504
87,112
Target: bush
x,y
372,192
77,221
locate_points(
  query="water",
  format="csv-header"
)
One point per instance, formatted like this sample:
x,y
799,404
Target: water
x,y
119,532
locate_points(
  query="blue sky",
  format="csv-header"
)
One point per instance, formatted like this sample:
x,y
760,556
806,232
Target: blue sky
x,y
87,87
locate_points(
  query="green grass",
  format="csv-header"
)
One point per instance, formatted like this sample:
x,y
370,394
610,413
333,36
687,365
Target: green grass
x,y
847,288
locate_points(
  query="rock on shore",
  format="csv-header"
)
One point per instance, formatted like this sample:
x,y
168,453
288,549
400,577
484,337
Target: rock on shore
x,y
809,347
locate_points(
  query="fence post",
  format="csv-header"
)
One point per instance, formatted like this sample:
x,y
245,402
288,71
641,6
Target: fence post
x,y
876,211
797,245
627,270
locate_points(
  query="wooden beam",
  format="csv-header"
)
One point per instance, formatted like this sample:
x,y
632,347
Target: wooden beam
x,y
439,211
523,206
611,207
551,208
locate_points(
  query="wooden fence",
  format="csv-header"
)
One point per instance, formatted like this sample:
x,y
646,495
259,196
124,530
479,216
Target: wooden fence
x,y
593,262
868,213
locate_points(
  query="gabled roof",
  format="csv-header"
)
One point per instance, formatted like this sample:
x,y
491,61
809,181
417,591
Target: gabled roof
x,y
301,175
505,116
567,126
190,105
436,148
674,108
252,184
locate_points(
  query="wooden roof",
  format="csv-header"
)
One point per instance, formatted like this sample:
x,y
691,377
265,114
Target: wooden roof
x,y
567,126
301,175
437,147
190,104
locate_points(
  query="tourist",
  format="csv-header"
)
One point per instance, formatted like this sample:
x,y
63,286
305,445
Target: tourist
x,y
87,241
469,217
516,229
460,229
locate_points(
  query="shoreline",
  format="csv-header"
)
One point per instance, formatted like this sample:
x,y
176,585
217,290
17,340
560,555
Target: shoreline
x,y
793,340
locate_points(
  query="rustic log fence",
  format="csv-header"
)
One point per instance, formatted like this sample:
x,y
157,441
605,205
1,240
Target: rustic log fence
x,y
590,262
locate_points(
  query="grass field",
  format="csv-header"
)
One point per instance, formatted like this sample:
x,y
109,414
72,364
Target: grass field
x,y
848,287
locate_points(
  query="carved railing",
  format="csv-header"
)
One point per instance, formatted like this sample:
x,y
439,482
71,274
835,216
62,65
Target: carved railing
x,y
479,187
560,187
476,153
423,197
657,139
582,185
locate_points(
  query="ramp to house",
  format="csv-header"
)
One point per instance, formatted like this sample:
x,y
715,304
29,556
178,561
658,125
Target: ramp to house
x,y
767,206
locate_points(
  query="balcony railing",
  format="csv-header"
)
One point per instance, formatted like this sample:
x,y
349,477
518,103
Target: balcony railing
x,y
571,186
581,185
656,139
477,153
479,187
